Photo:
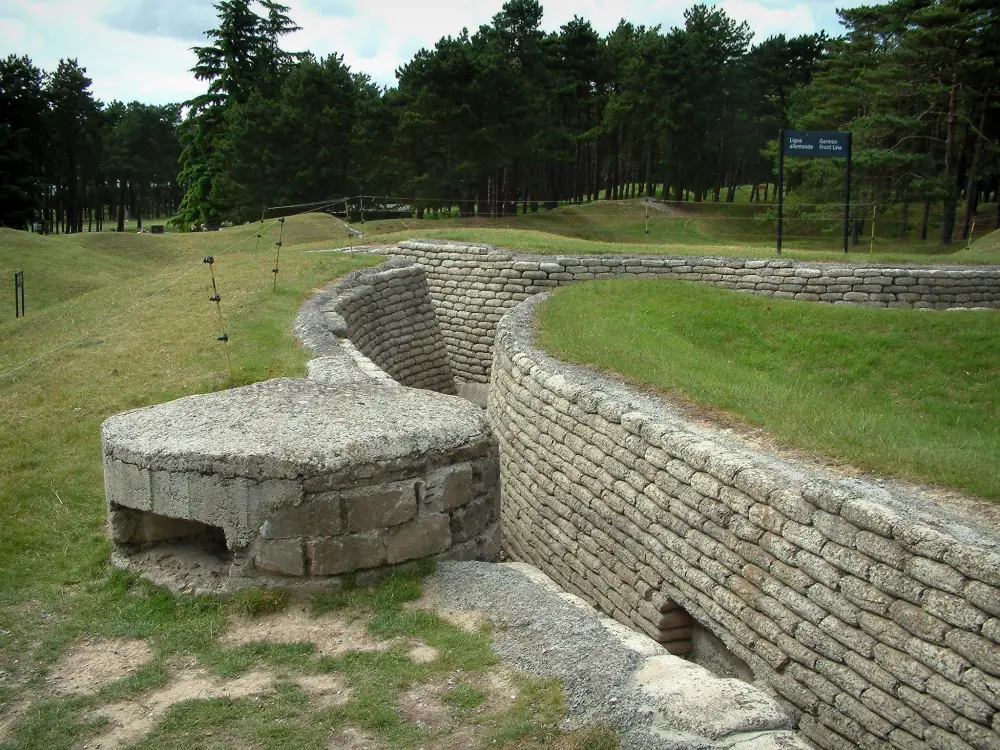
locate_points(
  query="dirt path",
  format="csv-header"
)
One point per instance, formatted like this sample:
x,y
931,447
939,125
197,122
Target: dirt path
x,y
354,678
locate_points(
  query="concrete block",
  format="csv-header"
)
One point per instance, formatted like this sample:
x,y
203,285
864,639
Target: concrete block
x,y
470,519
449,488
681,691
281,556
379,506
170,493
317,516
418,538
342,554
127,485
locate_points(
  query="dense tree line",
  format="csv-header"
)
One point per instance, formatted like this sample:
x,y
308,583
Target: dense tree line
x,y
68,161
917,83
509,118
505,116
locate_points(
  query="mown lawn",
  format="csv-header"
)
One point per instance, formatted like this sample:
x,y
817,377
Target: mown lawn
x,y
738,229
903,392
117,321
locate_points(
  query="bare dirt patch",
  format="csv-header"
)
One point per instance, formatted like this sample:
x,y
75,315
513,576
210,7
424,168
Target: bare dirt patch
x,y
10,718
449,729
130,720
501,692
422,704
331,633
471,621
327,690
350,738
92,665
422,653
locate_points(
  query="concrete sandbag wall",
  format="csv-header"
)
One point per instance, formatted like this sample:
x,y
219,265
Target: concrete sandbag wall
x,y
388,315
874,614
875,617
473,285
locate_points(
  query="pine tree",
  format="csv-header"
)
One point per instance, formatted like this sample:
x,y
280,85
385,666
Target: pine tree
x,y
23,108
243,59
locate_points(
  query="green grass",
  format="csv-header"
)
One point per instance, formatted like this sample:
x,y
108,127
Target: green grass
x,y
117,321
737,229
902,392
257,601
465,697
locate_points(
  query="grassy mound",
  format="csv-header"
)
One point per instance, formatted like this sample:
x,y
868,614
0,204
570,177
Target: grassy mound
x,y
987,246
903,392
736,229
117,321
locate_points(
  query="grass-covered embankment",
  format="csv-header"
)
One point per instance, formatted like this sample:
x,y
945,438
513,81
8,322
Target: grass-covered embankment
x,y
903,392
736,229
117,321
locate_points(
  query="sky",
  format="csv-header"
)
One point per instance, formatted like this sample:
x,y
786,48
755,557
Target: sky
x,y
139,50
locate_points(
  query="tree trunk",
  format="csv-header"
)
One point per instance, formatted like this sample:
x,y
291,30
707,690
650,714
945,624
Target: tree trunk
x,y
856,226
648,190
925,219
733,180
950,196
971,193
121,205
904,230
481,200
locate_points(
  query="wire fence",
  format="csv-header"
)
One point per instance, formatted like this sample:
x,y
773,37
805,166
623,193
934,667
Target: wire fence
x,y
656,225
122,313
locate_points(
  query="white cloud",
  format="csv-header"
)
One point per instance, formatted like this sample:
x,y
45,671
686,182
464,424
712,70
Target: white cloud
x,y
791,21
181,19
139,49
331,7
18,34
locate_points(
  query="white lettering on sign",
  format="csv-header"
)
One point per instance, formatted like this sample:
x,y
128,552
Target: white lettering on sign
x,y
811,143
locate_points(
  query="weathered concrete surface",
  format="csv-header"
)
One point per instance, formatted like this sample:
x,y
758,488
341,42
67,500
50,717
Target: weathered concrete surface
x,y
690,698
308,477
872,609
612,675
288,428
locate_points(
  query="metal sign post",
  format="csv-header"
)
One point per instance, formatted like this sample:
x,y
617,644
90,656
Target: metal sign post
x,y
781,187
826,144
18,294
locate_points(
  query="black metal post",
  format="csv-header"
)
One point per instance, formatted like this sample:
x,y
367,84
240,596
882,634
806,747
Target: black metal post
x,y
847,194
18,294
781,185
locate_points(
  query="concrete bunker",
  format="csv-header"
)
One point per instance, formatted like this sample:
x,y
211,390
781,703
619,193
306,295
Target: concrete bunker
x,y
301,479
873,616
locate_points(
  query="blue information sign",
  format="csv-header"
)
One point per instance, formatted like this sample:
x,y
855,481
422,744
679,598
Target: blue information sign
x,y
825,143
813,143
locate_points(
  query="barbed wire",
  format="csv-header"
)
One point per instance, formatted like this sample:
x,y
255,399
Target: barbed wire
x,y
122,313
